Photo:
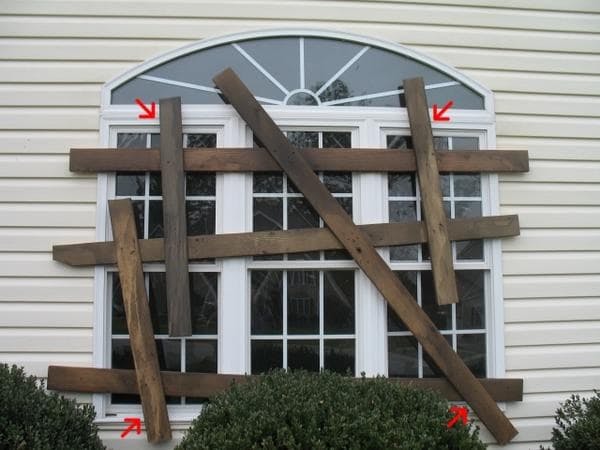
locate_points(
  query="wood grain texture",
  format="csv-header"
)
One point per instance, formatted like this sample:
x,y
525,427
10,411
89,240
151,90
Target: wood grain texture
x,y
339,159
358,245
174,218
288,241
444,279
137,313
120,381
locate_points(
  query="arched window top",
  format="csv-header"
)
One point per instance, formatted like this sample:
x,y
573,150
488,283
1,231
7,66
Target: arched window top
x,y
289,67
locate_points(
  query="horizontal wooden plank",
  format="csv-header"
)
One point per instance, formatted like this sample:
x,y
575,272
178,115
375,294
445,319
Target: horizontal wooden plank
x,y
249,160
79,379
551,310
47,290
290,241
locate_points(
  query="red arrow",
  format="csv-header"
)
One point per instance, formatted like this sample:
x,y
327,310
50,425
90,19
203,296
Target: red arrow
x,y
135,423
461,414
148,113
438,116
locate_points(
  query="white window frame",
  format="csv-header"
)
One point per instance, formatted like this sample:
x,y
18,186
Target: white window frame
x,y
233,214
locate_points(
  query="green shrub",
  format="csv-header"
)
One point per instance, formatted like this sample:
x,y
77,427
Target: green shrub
x,y
300,410
578,423
33,419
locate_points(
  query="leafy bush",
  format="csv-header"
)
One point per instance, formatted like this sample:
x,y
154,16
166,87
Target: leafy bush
x,y
300,410
33,419
578,423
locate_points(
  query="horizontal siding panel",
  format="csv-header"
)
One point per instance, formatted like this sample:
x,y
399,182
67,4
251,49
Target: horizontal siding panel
x,y
60,72
45,142
28,289
553,149
532,430
49,118
562,127
551,333
552,357
41,239
41,166
558,171
545,5
551,263
549,193
34,340
551,286
48,215
26,190
324,11
551,309
17,94
36,363
38,265
558,380
553,240
554,105
555,216
46,315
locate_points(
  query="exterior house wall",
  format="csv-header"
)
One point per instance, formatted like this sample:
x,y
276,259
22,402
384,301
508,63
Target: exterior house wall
x,y
541,58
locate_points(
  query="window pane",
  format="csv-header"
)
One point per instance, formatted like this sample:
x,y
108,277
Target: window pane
x,y
200,184
402,184
403,358
470,310
467,185
267,182
465,143
266,355
301,214
138,210
337,139
338,182
430,369
169,354
131,140
155,219
303,302
445,184
131,184
122,358
398,141
409,280
440,315
267,302
464,209
304,139
200,217
472,249
339,355
204,295
403,212
155,183
440,143
471,348
339,301
201,355
158,302
303,354
268,214
119,321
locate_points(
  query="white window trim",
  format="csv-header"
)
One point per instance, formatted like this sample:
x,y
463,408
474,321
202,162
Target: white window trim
x,y
233,213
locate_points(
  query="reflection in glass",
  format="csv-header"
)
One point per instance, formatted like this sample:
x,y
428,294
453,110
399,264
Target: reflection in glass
x,y
131,184
338,182
200,217
403,358
303,354
339,356
201,355
268,214
467,209
409,280
339,306
267,182
440,315
267,302
471,348
337,139
119,320
122,358
403,212
157,296
470,310
266,355
402,184
138,211
430,368
467,185
303,302
204,298
304,139
301,214
472,249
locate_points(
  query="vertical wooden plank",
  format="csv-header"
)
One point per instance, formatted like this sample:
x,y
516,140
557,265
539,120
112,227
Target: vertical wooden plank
x,y
137,312
174,218
433,214
357,243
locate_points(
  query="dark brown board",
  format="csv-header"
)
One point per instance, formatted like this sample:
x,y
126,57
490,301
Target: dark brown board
x,y
291,241
137,313
252,160
358,245
174,218
444,279
119,381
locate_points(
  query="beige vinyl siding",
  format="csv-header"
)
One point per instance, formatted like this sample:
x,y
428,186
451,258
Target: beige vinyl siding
x,y
540,57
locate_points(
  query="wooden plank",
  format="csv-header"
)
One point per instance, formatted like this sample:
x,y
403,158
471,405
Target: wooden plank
x,y
358,245
433,213
120,381
137,312
252,160
289,241
174,218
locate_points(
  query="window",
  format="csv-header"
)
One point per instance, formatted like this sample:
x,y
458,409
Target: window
x,y
317,309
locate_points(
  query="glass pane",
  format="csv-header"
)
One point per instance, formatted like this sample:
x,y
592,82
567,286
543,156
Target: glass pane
x,y
302,98
200,217
303,302
440,315
268,214
467,185
469,249
398,141
169,354
155,183
339,301
301,214
403,212
440,143
403,358
409,280
303,354
131,140
338,182
304,139
471,348
201,355
155,140
466,209
119,320
157,296
339,356
200,183
266,355
269,182
155,219
201,140
465,143
337,139
267,302
470,310
122,358
204,295
445,184
430,368
402,185
131,184
138,210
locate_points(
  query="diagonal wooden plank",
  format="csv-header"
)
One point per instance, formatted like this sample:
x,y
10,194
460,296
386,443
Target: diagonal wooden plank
x,y
174,218
120,381
358,245
137,313
433,213
252,160
288,241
